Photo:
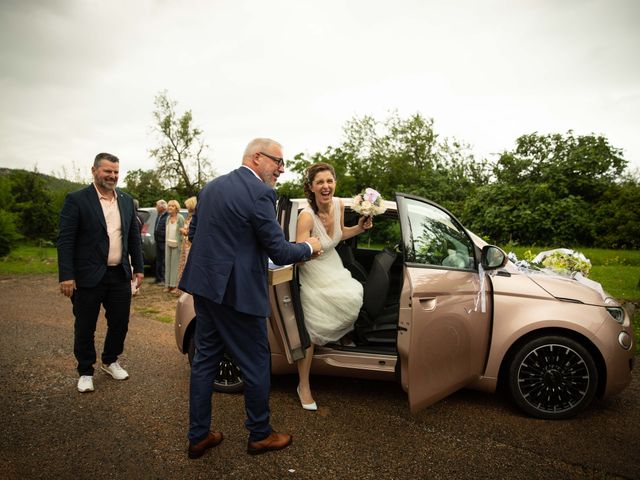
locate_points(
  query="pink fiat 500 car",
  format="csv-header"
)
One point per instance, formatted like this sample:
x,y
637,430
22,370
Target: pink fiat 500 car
x,y
443,310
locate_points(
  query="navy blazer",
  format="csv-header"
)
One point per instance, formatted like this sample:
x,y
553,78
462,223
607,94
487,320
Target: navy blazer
x,y
83,243
234,232
159,232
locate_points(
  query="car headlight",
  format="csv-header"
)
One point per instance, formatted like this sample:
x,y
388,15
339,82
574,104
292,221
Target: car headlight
x,y
617,313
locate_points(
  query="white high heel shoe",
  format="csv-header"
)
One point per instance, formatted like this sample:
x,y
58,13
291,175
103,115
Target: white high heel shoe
x,y
307,406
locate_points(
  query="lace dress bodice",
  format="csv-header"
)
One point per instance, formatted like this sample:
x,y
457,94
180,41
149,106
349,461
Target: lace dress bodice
x,y
319,231
331,298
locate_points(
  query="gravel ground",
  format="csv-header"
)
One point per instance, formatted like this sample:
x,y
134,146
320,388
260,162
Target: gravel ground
x,y
137,428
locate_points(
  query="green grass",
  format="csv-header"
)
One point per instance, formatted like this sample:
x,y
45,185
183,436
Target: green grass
x,y
600,256
619,280
30,259
153,313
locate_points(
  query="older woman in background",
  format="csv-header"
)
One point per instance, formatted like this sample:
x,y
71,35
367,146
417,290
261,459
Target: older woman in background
x,y
190,203
173,241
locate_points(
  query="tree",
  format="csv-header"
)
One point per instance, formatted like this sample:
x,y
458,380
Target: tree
x,y
180,158
583,166
617,217
547,190
398,155
146,187
32,205
6,197
528,214
557,189
9,235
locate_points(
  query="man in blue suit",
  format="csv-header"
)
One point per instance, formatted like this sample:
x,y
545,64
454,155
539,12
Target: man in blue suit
x,y
99,233
234,231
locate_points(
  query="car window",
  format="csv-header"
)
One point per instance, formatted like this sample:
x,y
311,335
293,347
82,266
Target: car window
x,y
385,231
435,238
144,215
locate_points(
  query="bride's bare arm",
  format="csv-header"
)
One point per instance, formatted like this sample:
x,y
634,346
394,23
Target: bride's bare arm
x,y
362,225
304,228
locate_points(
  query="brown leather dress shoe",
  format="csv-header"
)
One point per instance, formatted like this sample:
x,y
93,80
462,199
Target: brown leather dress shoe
x,y
275,441
196,450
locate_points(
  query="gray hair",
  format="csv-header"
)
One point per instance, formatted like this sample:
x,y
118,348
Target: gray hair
x,y
161,203
257,145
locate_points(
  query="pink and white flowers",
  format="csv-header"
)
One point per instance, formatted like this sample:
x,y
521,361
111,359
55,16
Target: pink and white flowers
x,y
369,203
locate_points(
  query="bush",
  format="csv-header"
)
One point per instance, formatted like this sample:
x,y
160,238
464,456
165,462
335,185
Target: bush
x,y
9,235
617,217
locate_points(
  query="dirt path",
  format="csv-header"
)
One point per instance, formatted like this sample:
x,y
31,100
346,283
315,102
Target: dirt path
x,y
136,429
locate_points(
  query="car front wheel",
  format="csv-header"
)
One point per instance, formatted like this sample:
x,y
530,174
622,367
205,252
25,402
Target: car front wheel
x,y
228,379
552,377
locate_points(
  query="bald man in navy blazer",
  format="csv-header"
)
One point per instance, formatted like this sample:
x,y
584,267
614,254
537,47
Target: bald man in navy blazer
x,y
234,231
99,234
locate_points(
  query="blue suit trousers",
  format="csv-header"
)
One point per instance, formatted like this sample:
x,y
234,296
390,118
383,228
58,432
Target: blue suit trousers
x,y
244,337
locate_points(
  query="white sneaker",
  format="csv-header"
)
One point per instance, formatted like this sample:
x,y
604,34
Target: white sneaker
x,y
115,370
85,383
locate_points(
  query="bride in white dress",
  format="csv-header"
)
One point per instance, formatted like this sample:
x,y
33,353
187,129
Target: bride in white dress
x,y
331,298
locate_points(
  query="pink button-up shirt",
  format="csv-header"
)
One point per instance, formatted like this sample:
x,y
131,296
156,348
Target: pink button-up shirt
x,y
114,226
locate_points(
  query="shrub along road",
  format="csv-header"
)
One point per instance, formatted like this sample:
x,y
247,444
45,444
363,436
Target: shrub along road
x,y
137,428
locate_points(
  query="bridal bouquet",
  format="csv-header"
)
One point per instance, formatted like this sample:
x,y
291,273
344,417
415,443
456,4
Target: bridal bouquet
x,y
368,203
563,261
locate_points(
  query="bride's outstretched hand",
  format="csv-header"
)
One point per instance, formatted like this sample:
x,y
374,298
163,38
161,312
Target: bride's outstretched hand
x,y
365,222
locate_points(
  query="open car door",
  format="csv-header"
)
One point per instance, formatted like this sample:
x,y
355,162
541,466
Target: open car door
x,y
444,327
287,318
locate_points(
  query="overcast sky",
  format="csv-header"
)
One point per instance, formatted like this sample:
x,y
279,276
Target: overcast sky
x,y
79,77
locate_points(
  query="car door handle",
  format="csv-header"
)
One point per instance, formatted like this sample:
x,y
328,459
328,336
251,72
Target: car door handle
x,y
428,303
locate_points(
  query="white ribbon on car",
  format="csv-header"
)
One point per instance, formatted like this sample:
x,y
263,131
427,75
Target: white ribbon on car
x,y
481,299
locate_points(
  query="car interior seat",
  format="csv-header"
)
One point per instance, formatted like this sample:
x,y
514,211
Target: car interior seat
x,y
456,259
350,263
377,322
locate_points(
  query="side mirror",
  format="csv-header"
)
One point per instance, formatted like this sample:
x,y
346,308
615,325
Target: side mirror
x,y
493,257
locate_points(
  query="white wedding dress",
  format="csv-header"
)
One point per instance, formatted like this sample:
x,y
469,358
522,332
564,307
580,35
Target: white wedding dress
x,y
331,298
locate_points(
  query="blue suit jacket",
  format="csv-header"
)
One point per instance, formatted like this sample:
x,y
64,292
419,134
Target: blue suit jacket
x,y
234,232
83,243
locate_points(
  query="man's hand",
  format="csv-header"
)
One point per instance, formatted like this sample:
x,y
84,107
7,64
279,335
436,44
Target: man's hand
x,y
139,278
315,244
67,287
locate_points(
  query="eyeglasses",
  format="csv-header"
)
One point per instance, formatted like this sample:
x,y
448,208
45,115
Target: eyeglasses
x,y
278,160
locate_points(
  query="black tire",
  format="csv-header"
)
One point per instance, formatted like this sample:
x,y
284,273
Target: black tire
x,y
229,379
552,377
